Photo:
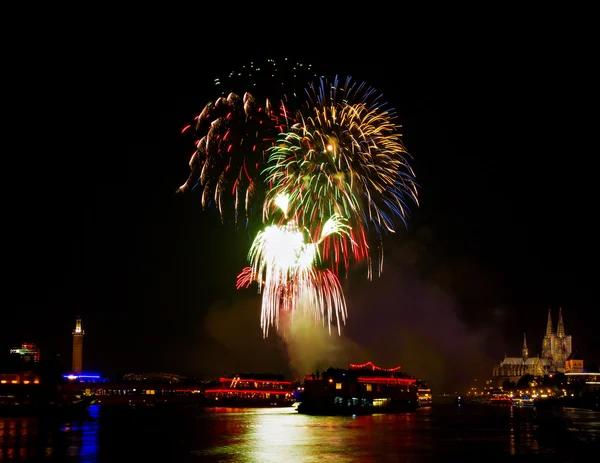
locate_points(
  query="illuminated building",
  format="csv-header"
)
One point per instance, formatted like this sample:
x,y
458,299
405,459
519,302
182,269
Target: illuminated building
x,y
19,377
556,349
78,333
18,374
28,352
132,391
164,377
573,365
586,381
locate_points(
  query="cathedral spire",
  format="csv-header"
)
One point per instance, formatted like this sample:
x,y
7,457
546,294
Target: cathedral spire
x,y
549,325
560,331
525,351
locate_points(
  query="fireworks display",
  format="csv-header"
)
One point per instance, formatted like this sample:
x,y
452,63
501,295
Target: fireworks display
x,y
229,153
233,133
283,263
344,156
324,171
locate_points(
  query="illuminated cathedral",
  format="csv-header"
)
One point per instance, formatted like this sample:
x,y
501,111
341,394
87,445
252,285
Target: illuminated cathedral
x,y
556,349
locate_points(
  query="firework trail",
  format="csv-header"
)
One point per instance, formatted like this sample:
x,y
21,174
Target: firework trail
x,y
325,171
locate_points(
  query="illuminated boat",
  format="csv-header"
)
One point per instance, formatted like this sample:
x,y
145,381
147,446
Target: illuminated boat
x,y
424,394
250,390
360,390
524,401
499,398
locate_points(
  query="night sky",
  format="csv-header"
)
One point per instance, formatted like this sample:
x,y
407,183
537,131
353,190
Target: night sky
x,y
500,132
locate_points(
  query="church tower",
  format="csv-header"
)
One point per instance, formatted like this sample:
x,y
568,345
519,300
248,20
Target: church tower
x,y
562,344
78,333
560,330
525,351
547,341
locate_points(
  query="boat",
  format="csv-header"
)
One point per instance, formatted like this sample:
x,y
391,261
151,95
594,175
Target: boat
x,y
250,390
363,389
481,400
501,398
424,394
524,401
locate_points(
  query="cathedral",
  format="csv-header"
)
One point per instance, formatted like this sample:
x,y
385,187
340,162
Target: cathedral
x,y
556,349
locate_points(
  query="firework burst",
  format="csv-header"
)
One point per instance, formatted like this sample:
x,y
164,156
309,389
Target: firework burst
x,y
233,133
345,156
283,263
231,141
327,173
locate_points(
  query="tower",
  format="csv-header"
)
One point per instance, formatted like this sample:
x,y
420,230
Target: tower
x,y
562,347
78,333
560,330
547,341
525,351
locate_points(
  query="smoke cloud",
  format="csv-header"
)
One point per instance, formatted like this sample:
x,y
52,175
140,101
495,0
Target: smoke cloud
x,y
409,316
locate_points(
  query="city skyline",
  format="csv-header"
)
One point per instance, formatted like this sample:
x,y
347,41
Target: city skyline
x,y
503,232
31,353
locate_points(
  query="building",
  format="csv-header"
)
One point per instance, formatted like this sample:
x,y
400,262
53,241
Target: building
x,y
19,377
556,349
77,366
584,381
28,352
156,376
573,365
21,369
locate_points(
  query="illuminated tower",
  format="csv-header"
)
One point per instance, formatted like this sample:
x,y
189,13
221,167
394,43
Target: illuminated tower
x,y
547,341
562,347
560,330
525,351
78,347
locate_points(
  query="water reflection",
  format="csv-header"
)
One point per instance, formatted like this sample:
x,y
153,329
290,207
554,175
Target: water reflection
x,y
18,438
522,437
182,434
462,433
82,437
28,439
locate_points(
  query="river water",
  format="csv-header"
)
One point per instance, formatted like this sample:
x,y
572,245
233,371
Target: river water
x,y
462,433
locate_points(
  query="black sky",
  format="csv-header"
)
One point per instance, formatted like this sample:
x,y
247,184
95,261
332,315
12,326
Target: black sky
x,y
501,128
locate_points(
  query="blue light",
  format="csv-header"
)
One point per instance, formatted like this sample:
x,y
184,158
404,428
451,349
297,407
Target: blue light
x,y
83,377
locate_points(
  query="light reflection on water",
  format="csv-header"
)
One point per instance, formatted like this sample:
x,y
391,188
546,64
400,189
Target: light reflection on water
x,y
17,438
192,434
82,437
451,432
29,439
